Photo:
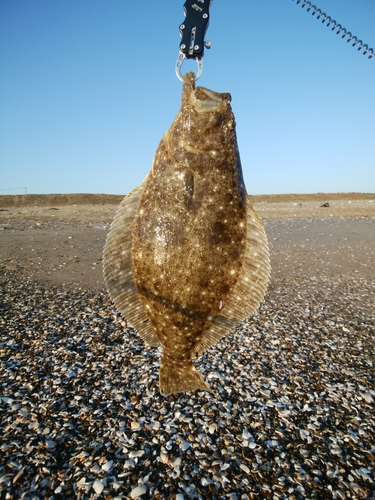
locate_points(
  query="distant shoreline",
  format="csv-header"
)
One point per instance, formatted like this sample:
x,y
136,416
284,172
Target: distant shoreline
x,y
43,200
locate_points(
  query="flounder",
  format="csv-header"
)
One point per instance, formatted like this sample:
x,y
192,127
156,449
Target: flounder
x,y
187,258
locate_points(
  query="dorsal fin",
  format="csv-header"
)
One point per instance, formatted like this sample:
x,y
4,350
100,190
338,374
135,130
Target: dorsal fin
x,y
118,267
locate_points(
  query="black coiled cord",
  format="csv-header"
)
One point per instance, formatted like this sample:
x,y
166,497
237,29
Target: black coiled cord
x,y
338,27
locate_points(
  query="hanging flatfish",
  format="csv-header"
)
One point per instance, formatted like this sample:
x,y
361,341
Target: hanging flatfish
x,y
187,258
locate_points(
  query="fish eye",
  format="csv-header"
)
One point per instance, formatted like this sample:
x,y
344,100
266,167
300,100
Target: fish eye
x,y
216,119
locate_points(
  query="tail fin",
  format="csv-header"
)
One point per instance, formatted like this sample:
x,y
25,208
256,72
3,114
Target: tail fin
x,y
176,376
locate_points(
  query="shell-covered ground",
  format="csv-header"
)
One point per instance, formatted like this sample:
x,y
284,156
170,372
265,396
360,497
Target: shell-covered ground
x,y
291,414
292,409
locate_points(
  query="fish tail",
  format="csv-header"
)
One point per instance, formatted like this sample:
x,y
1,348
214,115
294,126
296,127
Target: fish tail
x,y
179,375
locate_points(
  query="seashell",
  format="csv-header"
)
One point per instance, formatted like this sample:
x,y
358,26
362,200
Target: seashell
x,y
107,466
245,468
136,453
184,445
81,482
175,462
156,425
98,486
246,434
18,476
45,482
367,397
128,464
304,433
138,491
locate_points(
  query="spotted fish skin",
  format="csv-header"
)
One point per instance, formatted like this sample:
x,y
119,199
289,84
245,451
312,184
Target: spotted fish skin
x,y
196,254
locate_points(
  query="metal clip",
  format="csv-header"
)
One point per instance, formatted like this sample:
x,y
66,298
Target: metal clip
x,y
192,32
181,58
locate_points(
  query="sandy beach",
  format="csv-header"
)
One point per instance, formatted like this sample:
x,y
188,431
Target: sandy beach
x,y
292,412
62,244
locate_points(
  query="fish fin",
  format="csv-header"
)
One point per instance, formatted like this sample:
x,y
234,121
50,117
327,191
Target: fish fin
x,y
251,284
176,376
118,267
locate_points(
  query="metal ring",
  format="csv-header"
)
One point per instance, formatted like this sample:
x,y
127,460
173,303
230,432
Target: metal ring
x,y
180,60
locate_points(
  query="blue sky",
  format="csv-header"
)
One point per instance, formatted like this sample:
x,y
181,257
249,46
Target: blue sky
x,y
87,89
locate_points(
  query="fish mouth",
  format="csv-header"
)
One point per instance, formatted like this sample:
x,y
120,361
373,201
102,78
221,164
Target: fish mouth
x,y
203,100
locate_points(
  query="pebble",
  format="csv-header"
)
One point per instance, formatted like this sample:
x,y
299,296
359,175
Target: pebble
x,y
292,414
